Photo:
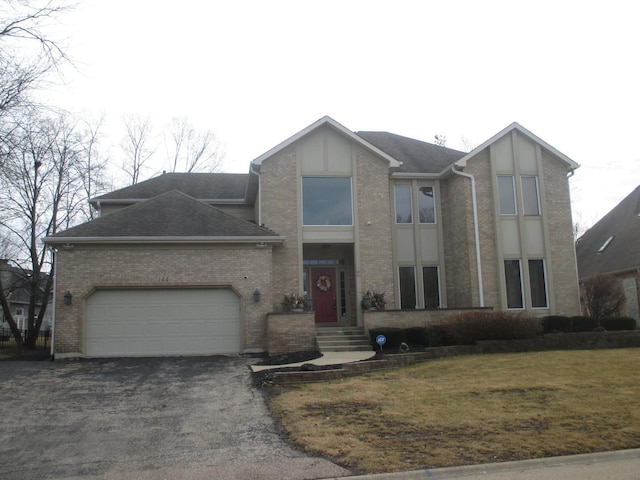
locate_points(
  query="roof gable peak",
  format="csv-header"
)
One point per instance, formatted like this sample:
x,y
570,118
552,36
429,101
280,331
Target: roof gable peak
x,y
571,165
326,121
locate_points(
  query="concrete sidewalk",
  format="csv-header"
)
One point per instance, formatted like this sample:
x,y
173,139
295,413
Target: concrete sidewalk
x,y
617,465
327,358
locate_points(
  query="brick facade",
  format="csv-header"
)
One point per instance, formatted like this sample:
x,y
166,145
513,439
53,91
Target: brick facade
x,y
291,332
373,213
84,268
368,245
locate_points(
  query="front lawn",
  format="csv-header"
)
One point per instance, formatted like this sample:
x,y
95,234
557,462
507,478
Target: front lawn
x,y
469,410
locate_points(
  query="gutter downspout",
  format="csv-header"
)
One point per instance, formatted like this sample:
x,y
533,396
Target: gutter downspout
x,y
475,229
251,170
53,306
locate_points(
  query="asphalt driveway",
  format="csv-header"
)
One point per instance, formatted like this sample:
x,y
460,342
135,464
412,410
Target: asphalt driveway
x,y
196,417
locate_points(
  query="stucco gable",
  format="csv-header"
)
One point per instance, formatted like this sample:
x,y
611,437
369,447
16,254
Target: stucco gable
x,y
341,129
172,215
570,164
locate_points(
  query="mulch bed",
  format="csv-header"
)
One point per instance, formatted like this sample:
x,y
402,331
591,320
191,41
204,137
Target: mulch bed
x,y
265,377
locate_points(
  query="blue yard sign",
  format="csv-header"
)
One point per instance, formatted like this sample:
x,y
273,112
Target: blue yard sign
x,y
381,340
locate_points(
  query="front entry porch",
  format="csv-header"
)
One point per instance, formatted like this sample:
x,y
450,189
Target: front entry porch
x,y
329,280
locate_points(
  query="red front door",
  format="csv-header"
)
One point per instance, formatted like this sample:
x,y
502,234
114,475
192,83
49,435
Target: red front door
x,y
323,294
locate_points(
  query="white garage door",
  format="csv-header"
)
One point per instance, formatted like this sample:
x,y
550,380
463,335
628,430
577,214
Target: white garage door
x,y
150,322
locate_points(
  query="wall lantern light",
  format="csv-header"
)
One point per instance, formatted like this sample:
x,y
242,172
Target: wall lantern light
x,y
68,298
256,295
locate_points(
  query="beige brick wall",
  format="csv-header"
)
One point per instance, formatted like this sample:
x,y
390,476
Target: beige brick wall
x,y
84,268
458,245
375,245
291,332
280,213
480,168
561,263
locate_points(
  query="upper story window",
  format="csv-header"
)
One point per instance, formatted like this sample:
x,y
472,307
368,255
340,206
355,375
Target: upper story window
x,y
506,194
327,201
426,205
530,202
403,204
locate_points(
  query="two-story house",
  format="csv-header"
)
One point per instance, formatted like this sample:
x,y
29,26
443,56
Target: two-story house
x,y
196,263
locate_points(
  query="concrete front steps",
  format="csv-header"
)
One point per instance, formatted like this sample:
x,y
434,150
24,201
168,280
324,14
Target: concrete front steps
x,y
342,339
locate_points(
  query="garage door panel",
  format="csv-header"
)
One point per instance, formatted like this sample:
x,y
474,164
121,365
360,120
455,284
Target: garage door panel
x,y
162,322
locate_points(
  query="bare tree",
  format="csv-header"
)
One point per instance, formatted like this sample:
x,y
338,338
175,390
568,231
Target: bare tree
x,y
27,53
92,166
603,295
467,144
191,150
439,139
40,192
136,146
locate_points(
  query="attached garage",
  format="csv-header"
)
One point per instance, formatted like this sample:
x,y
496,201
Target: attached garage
x,y
151,322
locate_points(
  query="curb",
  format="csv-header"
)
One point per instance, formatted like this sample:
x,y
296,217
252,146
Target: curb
x,y
473,471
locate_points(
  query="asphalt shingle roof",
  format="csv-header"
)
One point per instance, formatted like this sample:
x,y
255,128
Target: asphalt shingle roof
x,y
623,252
203,186
172,214
416,156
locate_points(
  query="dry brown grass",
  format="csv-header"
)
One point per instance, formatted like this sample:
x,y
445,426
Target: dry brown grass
x,y
469,410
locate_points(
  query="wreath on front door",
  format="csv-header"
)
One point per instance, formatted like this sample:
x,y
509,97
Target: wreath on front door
x,y
323,283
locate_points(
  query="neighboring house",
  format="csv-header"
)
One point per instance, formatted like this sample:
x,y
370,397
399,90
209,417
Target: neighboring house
x,y
18,292
194,263
612,246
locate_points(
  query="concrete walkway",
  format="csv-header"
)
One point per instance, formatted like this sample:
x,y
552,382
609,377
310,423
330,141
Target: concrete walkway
x,y
327,358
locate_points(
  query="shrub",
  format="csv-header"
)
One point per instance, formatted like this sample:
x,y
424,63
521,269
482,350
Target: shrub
x,y
583,324
469,328
438,336
417,336
395,336
618,323
557,323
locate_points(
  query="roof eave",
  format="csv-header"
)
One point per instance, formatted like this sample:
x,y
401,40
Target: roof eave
x,y
267,239
416,175
127,201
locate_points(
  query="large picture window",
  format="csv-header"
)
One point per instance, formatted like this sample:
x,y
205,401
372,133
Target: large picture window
x,y
538,283
403,204
426,205
431,287
506,194
327,201
407,287
513,276
530,203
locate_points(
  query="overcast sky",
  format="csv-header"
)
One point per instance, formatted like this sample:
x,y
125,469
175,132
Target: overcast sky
x,y
256,72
